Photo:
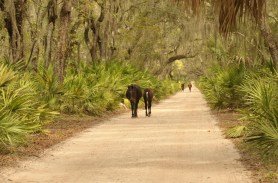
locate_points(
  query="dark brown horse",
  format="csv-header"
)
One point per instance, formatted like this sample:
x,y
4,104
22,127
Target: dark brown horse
x,y
190,86
148,98
182,87
133,94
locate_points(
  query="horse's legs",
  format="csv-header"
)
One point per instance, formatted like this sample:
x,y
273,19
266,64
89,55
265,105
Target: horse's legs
x,y
150,108
132,109
146,107
135,109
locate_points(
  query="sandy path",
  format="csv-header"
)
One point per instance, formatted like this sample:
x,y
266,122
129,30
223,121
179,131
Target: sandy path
x,y
180,143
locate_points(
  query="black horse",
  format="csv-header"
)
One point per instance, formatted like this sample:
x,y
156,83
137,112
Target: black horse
x,y
182,87
148,97
133,94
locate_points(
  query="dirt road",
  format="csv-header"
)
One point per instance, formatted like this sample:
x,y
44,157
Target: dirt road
x,y
179,143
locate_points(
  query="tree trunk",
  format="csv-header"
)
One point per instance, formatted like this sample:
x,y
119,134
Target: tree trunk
x,y
87,37
48,46
14,12
95,29
271,41
63,41
95,45
52,16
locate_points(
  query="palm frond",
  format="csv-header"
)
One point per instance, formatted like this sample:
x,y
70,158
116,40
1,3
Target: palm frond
x,y
237,131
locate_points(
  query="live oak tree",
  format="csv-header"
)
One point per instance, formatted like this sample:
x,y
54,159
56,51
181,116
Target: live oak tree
x,y
149,33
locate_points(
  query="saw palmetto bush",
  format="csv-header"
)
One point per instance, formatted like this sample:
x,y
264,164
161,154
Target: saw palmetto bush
x,y
254,92
28,99
220,86
261,100
95,88
20,111
47,87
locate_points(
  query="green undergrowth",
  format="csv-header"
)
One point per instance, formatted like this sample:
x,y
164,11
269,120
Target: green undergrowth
x,y
252,92
30,99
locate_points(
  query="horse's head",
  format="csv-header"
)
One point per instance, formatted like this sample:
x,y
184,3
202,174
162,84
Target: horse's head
x,y
132,93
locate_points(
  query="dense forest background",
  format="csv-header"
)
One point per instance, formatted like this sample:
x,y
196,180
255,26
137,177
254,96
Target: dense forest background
x,y
150,34
78,56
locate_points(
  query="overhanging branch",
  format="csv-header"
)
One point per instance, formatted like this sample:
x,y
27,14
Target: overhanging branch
x,y
178,57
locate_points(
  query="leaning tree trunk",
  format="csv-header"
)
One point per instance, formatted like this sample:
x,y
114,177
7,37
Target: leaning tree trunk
x,y
14,16
271,41
63,41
